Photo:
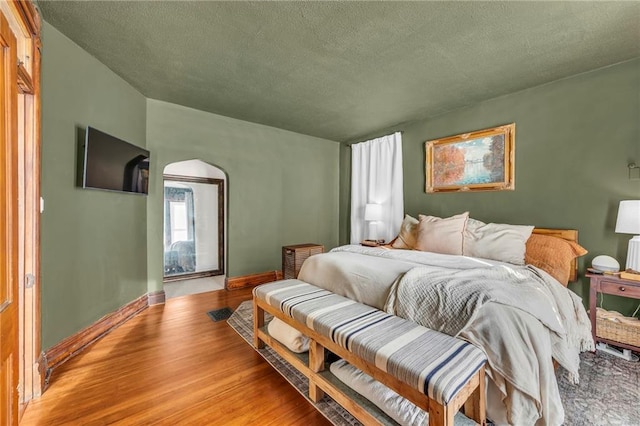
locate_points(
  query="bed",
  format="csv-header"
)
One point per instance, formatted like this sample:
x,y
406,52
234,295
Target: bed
x,y
520,315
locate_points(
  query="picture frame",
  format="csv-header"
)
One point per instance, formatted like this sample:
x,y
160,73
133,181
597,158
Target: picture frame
x,y
483,160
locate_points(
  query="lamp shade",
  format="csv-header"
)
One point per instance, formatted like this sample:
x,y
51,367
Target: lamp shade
x,y
628,217
373,212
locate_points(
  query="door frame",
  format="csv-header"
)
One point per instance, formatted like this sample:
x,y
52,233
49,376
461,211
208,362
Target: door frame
x,y
9,342
24,22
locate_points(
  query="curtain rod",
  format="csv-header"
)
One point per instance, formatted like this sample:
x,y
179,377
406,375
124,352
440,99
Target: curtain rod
x,y
397,131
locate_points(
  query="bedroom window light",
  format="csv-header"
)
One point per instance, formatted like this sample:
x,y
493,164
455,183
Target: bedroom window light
x,y
628,222
178,221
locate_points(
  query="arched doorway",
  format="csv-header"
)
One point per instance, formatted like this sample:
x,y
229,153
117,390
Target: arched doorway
x,y
194,228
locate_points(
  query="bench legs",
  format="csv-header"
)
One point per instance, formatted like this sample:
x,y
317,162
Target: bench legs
x,y
475,406
471,397
440,415
316,351
316,364
258,322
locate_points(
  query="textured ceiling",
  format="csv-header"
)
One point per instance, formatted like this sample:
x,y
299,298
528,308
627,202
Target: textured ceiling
x,y
340,70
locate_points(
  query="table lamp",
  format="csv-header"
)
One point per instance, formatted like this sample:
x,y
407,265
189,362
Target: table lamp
x,y
628,222
373,214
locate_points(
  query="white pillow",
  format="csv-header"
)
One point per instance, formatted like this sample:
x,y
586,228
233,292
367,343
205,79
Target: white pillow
x,y
288,336
496,241
440,235
408,234
395,406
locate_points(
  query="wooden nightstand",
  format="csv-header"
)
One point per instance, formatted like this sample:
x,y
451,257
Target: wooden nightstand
x,y
610,284
294,256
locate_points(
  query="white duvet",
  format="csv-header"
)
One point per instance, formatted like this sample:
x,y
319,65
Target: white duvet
x,y
520,339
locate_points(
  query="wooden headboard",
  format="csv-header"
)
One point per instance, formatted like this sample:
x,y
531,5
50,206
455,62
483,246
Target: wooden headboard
x,y
565,234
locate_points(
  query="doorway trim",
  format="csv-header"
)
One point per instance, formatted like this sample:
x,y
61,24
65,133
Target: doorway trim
x,y
23,21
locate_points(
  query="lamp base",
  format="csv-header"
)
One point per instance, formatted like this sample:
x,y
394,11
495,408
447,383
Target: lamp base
x,y
633,254
373,230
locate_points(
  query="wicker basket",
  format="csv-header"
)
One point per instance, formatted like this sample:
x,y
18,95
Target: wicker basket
x,y
294,256
614,326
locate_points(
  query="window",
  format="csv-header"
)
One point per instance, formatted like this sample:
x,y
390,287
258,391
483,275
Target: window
x,y
178,217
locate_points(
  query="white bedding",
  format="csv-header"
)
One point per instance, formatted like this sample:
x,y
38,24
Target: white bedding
x,y
523,388
366,274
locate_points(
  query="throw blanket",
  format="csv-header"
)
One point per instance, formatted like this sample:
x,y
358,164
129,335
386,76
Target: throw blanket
x,y
455,302
447,300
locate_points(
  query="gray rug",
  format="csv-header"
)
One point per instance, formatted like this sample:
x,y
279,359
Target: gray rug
x,y
608,393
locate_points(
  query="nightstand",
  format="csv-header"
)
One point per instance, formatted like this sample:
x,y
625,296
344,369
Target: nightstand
x,y
610,284
293,257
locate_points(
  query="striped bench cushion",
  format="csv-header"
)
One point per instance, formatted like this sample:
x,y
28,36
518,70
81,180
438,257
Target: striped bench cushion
x,y
432,362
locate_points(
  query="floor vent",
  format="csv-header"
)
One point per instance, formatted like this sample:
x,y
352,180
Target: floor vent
x,y
220,314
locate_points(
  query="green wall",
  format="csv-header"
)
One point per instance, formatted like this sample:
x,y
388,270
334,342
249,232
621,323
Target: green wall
x,y
100,250
283,187
94,243
574,139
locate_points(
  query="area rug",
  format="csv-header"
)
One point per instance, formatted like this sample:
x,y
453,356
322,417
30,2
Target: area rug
x,y
608,393
242,322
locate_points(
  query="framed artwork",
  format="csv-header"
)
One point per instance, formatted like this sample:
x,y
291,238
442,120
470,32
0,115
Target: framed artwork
x,y
478,161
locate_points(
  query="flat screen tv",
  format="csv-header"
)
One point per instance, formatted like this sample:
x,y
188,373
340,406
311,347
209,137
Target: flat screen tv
x,y
113,164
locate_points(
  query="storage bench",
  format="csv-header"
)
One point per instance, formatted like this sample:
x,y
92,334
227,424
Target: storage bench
x,y
436,372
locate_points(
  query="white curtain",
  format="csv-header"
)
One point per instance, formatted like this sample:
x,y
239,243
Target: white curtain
x,y
376,178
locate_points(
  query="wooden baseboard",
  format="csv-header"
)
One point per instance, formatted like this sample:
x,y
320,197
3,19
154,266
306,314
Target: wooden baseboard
x,y
243,281
156,297
42,370
72,345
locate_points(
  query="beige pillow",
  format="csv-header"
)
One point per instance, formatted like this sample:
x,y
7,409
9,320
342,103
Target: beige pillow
x,y
496,241
440,235
406,239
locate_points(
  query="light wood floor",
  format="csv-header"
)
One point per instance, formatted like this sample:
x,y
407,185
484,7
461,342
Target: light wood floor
x,y
172,365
